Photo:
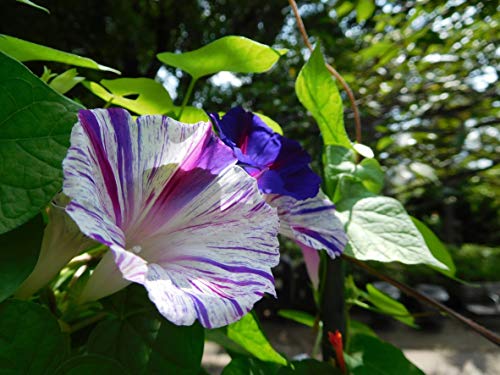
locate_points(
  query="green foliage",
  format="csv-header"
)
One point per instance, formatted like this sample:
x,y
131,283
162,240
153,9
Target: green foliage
x,y
27,51
32,342
369,355
380,229
18,255
476,262
66,81
298,316
35,123
364,10
91,364
152,98
247,333
437,248
32,4
230,53
143,341
318,92
388,305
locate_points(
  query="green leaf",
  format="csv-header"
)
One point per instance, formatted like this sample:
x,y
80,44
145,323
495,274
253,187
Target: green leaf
x,y
66,81
339,163
319,94
298,316
309,367
152,98
143,341
379,229
344,8
27,51
388,305
247,333
91,364
190,115
358,328
250,366
437,248
32,4
370,355
35,124
18,255
271,123
231,53
31,341
364,10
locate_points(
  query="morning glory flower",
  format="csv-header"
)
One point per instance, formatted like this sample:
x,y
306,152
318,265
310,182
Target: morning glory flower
x,y
177,213
281,167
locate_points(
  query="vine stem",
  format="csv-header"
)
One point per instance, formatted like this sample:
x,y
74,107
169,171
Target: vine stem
x,y
483,331
331,69
186,97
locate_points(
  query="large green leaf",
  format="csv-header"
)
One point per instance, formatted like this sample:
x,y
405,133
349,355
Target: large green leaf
x,y
299,317
35,124
18,255
231,53
91,364
437,248
247,333
379,229
31,341
250,366
152,98
143,341
369,356
318,92
364,9
23,50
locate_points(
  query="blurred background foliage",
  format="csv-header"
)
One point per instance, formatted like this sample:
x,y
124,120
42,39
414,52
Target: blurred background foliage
x,y
425,75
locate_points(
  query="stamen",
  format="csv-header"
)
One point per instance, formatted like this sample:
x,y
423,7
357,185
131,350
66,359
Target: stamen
x,y
136,249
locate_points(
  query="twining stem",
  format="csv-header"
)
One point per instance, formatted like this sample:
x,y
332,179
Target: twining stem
x,y
187,96
492,336
331,69
332,306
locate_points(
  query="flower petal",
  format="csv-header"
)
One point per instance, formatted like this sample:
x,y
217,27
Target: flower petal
x,y
311,222
311,259
214,258
280,165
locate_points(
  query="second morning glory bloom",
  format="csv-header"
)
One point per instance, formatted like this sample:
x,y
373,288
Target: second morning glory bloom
x,y
177,214
281,167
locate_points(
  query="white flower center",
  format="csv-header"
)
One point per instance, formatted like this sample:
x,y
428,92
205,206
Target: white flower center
x,y
136,249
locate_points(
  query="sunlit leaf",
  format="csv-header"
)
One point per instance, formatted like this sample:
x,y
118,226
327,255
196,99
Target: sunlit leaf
x,y
35,124
318,92
143,96
231,53
436,247
298,316
271,123
18,255
247,333
23,50
379,229
364,10
388,305
32,4
31,341
66,81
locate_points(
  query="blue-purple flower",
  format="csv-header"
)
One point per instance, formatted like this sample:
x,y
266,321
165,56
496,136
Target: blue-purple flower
x,y
281,167
177,213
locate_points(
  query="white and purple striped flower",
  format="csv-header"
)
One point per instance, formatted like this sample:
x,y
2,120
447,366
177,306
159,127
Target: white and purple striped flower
x,y
281,167
177,213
